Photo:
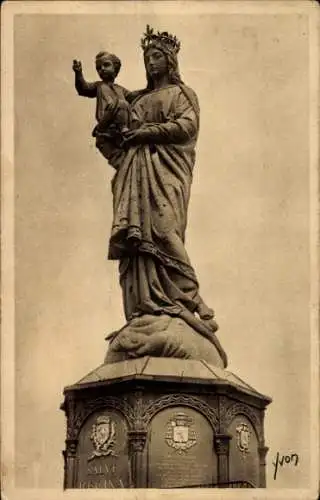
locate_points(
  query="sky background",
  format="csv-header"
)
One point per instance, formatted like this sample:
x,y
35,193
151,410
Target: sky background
x,y
248,229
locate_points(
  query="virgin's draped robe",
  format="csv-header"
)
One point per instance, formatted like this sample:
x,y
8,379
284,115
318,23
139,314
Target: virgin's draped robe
x,y
151,190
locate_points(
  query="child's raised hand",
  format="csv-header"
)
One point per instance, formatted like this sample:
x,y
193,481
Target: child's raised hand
x,y
77,66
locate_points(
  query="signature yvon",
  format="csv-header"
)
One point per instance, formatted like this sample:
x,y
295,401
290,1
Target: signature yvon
x,y
290,460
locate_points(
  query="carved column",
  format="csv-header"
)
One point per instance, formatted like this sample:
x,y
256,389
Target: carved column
x,y
262,450
69,455
137,440
221,444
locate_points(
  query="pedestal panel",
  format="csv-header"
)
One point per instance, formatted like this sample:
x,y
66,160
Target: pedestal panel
x,y
243,451
180,449
102,452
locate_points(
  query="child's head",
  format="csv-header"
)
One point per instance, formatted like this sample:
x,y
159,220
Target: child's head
x,y
108,66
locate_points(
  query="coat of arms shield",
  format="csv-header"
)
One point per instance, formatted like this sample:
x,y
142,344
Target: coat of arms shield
x,y
102,432
243,437
102,436
180,433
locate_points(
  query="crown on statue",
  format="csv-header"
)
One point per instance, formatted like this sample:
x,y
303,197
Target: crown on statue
x,y
163,38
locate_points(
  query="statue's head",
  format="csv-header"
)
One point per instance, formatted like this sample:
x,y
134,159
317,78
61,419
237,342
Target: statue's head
x,y
160,52
108,66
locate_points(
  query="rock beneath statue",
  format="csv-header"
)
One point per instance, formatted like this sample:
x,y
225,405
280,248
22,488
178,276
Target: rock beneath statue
x,y
164,336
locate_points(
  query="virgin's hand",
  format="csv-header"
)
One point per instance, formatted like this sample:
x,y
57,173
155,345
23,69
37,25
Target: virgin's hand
x,y
136,137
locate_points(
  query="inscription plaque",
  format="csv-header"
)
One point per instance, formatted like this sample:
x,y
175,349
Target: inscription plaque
x,y
182,455
102,454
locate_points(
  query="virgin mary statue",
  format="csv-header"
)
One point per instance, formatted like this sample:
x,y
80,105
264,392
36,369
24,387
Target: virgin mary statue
x,y
165,313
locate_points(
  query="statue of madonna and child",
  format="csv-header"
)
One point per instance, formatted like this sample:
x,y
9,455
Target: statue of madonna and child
x,y
149,137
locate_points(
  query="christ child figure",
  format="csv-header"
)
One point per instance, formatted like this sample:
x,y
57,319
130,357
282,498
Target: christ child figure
x,y
112,109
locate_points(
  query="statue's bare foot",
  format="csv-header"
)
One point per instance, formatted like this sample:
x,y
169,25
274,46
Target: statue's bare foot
x,y
205,312
212,324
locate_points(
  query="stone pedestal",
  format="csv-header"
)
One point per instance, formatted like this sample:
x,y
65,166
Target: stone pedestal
x,y
163,423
